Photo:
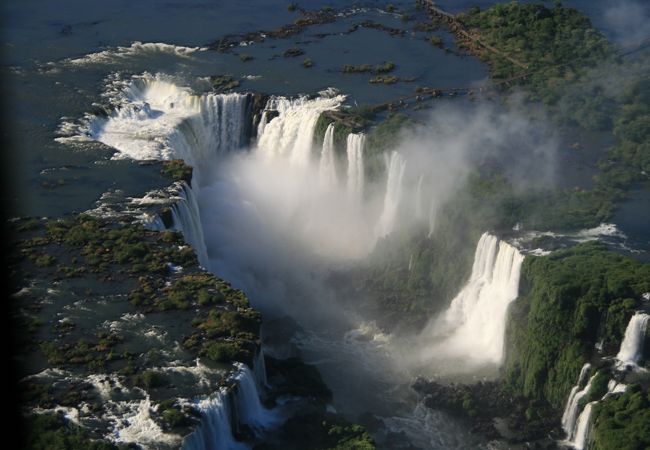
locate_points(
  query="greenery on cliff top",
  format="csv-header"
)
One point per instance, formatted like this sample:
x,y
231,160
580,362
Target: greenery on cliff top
x,y
572,68
53,432
567,298
621,422
145,272
555,44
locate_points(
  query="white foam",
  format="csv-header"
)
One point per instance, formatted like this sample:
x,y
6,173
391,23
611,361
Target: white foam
x,y
138,427
136,49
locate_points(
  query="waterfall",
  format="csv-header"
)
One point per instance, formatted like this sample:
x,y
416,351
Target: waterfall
x,y
187,220
355,145
291,133
632,346
582,428
432,218
156,119
215,431
571,409
327,166
473,327
260,370
614,387
395,164
262,124
418,198
249,407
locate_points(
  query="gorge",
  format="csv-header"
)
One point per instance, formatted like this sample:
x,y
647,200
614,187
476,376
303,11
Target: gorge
x,y
308,272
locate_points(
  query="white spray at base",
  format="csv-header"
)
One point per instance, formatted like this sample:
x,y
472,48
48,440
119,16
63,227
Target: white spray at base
x,y
472,329
292,192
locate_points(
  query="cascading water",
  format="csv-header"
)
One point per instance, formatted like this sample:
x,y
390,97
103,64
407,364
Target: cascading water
x,y
432,218
418,198
156,119
473,327
292,131
262,124
187,220
256,198
630,353
581,435
250,409
356,178
215,431
632,346
570,415
395,164
327,165
259,369
290,188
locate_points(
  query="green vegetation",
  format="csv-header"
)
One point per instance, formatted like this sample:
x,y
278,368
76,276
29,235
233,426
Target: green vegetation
x,y
173,418
385,67
177,170
555,44
149,379
319,431
413,275
44,261
199,289
293,52
554,323
219,323
223,83
307,63
571,67
346,121
103,245
598,388
436,41
91,354
621,422
384,79
53,432
224,352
